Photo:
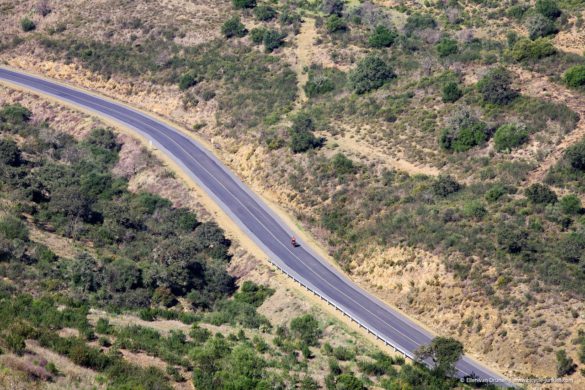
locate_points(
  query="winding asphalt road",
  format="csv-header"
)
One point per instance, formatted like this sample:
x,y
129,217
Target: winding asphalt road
x,y
263,226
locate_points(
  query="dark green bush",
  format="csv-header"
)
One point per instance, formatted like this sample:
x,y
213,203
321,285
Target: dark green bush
x,y
371,73
540,194
528,50
188,80
447,47
575,155
539,26
10,153
301,133
15,114
419,21
565,364
334,24
451,92
27,25
13,228
240,4
264,13
571,204
548,8
272,40
342,165
306,329
445,185
574,77
257,35
233,27
510,136
517,11
463,133
495,87
382,36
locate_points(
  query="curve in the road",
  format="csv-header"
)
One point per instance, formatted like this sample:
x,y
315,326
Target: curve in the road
x,y
262,225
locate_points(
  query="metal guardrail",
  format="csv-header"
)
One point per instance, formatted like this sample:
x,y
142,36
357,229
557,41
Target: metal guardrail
x,y
389,343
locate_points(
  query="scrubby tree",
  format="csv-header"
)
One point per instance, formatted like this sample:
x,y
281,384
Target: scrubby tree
x,y
445,185
10,153
335,23
571,204
575,156
381,37
233,27
264,13
528,50
464,131
510,136
548,8
496,87
574,77
444,353
446,47
342,165
333,7
188,80
272,40
565,364
240,4
540,194
257,35
15,114
417,21
301,133
27,25
451,92
306,329
539,26
371,73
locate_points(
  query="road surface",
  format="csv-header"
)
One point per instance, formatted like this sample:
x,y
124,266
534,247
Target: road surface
x,y
263,226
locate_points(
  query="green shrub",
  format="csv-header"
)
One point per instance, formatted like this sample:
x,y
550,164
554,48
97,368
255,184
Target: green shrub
x,y
444,352
509,136
451,92
188,80
447,47
301,133
15,114
495,87
257,35
27,25
548,8
240,4
318,85
445,185
13,228
381,37
574,77
233,27
342,165
539,26
540,194
463,133
334,24
571,204
419,21
343,353
495,193
272,40
264,13
528,50
371,73
306,329
565,364
474,209
575,155
10,153
517,11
